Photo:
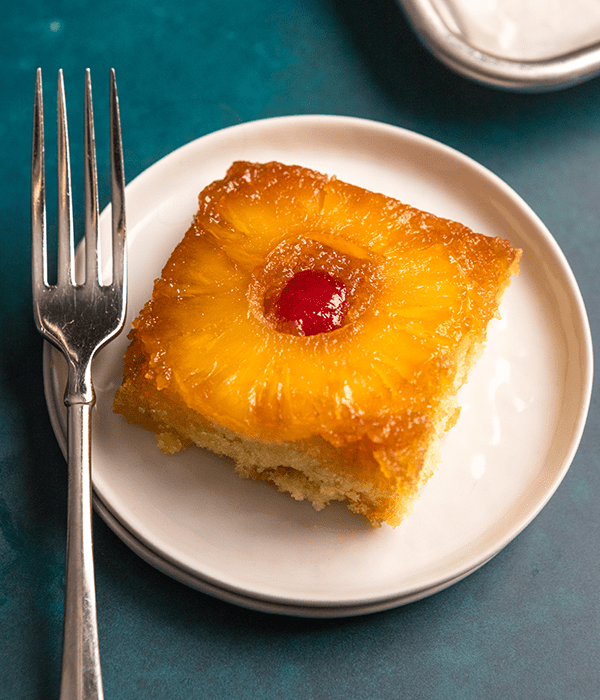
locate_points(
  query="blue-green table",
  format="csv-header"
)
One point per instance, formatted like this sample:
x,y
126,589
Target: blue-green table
x,y
527,625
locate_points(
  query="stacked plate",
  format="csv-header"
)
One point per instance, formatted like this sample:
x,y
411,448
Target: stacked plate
x,y
524,407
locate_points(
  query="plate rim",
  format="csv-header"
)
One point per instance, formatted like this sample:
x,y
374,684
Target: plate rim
x,y
266,603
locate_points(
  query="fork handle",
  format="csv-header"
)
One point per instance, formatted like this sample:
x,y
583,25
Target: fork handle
x,y
81,674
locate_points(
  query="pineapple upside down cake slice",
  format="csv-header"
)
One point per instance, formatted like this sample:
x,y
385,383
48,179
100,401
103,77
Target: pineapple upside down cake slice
x,y
316,333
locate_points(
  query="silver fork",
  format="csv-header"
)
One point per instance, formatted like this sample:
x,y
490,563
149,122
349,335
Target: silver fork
x,y
78,319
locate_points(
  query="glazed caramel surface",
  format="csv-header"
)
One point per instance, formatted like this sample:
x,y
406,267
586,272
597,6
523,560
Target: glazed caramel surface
x,y
418,287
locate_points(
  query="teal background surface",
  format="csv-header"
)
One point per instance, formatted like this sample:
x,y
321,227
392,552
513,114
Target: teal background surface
x,y
525,626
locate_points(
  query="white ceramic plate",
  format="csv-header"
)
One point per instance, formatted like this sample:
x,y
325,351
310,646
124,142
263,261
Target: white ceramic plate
x,y
524,407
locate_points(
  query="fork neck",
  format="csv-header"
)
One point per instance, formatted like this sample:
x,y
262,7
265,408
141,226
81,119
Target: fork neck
x,y
79,389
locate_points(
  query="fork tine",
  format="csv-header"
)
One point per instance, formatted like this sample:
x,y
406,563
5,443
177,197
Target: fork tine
x,y
117,172
38,192
91,187
65,207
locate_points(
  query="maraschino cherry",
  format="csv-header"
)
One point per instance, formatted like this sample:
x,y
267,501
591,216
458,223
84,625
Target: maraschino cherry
x,y
314,302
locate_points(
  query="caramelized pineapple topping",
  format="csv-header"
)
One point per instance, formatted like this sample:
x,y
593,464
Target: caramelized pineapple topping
x,y
299,307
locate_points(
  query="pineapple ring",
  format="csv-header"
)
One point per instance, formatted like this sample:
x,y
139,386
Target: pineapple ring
x,y
413,301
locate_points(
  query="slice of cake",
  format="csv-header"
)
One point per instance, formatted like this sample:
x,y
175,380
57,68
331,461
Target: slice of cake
x,y
316,333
